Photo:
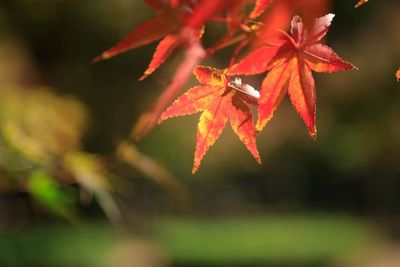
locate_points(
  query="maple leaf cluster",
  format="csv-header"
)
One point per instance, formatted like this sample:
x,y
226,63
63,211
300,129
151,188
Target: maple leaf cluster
x,y
287,59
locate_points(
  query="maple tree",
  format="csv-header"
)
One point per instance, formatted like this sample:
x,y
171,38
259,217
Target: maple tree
x,y
259,26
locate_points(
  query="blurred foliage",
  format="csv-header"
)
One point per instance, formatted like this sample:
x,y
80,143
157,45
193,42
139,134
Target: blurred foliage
x,y
41,150
286,240
302,240
40,125
38,130
44,188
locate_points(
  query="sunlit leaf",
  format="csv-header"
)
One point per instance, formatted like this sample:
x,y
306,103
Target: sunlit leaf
x,y
218,103
290,63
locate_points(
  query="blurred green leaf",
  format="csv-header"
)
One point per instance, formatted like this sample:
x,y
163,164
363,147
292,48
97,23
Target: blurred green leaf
x,y
91,174
47,192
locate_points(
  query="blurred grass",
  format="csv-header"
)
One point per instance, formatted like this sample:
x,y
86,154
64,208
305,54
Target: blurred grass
x,y
56,246
301,240
261,240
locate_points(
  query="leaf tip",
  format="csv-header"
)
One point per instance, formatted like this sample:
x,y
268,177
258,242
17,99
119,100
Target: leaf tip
x,y
353,67
262,122
195,167
254,152
144,76
360,3
330,16
97,59
160,120
313,133
165,116
103,56
259,127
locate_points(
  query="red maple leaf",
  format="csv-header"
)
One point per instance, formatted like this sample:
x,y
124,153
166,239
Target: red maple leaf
x,y
166,21
219,101
290,60
177,23
279,13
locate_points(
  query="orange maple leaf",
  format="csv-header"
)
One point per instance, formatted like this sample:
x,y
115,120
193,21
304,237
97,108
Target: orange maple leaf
x,y
398,75
289,60
219,101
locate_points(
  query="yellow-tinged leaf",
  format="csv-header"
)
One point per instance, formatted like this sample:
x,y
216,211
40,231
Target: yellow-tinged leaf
x,y
218,103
